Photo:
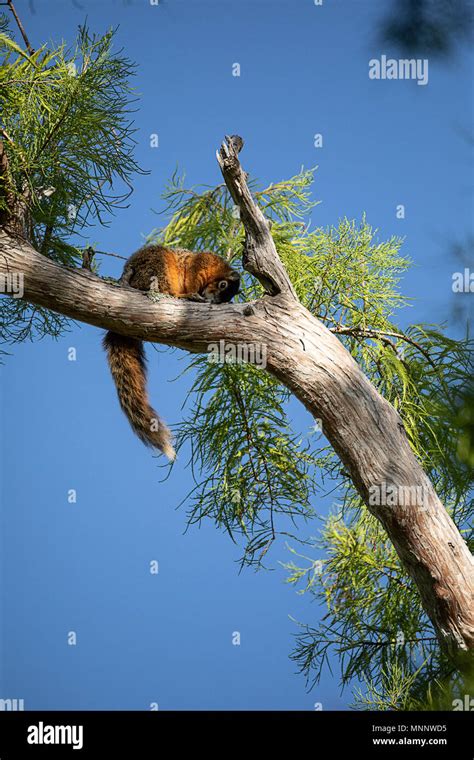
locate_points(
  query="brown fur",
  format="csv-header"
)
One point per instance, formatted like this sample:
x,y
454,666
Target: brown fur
x,y
180,273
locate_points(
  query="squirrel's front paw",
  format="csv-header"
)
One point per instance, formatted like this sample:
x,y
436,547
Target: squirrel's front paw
x,y
196,297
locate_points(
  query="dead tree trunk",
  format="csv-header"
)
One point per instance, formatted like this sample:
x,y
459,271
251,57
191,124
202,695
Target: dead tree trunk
x,y
364,429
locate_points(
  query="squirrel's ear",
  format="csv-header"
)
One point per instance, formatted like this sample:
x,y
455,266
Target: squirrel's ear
x,y
234,275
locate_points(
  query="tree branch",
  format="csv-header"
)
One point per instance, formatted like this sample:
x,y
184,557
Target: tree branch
x,y
20,27
380,334
260,255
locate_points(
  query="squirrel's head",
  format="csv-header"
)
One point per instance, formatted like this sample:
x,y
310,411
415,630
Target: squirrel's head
x,y
222,289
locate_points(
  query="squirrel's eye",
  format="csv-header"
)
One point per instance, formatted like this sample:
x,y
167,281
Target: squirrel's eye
x,y
222,285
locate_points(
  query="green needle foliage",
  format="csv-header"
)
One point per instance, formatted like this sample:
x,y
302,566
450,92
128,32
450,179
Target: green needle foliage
x,y
374,623
65,123
252,468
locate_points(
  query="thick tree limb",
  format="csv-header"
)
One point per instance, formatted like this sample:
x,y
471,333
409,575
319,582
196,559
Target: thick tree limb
x,y
364,429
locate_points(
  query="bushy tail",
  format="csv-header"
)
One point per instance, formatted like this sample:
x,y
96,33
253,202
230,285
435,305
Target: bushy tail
x,y
128,366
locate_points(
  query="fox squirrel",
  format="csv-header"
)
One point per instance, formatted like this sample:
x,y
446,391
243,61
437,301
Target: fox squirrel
x,y
180,273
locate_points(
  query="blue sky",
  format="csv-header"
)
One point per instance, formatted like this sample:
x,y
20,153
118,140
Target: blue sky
x,y
84,566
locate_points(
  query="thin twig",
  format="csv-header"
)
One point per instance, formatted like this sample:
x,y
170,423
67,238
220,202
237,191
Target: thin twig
x,y
20,27
6,136
251,441
115,255
343,330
